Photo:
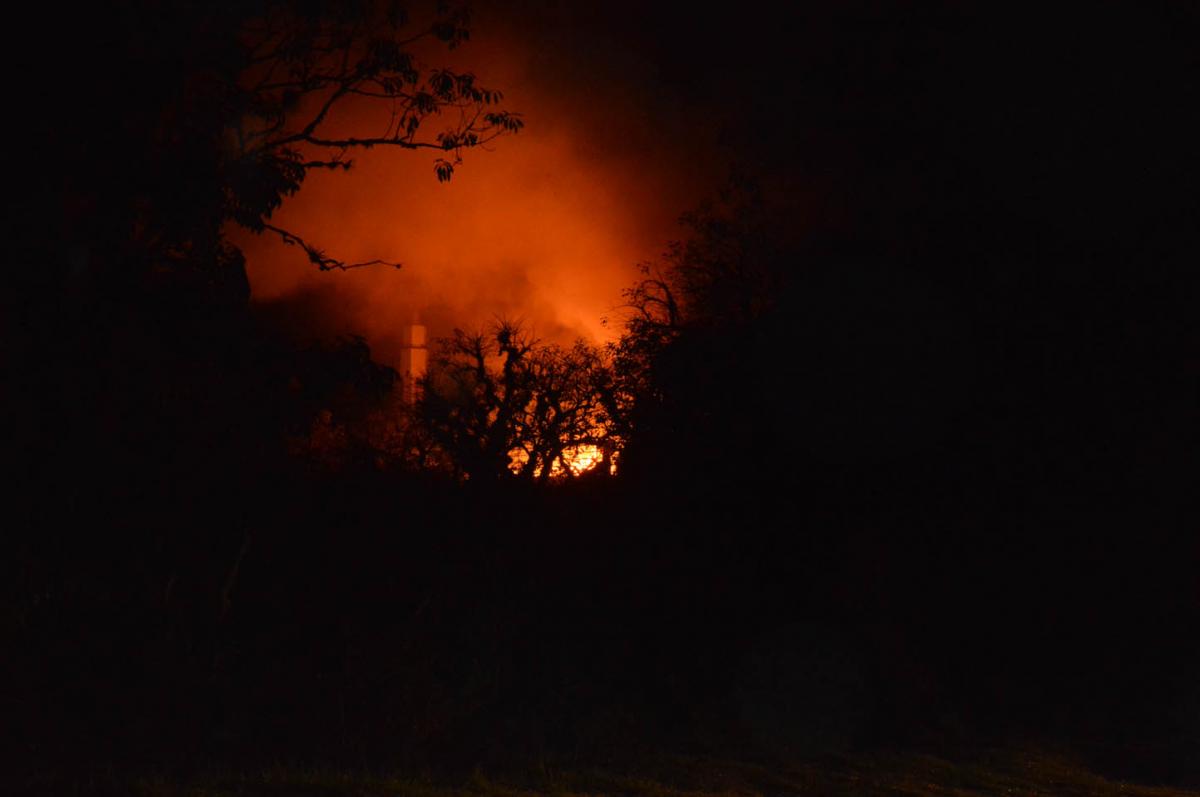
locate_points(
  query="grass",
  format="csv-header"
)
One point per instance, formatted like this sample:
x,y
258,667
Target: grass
x,y
983,775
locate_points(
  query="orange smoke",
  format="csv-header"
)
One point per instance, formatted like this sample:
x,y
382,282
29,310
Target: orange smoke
x,y
546,228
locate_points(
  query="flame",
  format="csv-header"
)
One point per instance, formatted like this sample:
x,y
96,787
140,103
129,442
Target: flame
x,y
580,459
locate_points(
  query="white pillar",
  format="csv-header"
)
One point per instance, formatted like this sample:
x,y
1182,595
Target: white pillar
x,y
414,360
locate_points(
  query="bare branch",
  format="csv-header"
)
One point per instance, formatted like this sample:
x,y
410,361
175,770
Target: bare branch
x,y
319,258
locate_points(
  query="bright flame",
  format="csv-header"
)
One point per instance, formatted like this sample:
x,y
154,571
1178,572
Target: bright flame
x,y
580,459
583,458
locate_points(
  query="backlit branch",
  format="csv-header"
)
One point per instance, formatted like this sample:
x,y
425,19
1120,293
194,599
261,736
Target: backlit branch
x,y
303,69
318,257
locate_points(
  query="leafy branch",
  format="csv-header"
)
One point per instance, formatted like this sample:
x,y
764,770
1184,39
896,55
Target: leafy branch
x,y
302,68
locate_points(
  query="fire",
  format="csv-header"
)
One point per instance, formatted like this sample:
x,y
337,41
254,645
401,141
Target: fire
x,y
579,460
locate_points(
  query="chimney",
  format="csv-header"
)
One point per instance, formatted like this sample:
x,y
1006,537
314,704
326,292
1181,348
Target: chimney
x,y
414,359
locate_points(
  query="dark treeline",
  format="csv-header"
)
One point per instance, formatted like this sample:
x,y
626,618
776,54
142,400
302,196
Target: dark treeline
x,y
907,428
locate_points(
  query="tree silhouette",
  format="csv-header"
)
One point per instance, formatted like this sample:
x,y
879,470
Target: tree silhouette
x,y
698,346
152,412
473,395
501,403
570,407
338,396
197,118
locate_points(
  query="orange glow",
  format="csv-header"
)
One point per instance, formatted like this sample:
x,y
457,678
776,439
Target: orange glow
x,y
583,458
547,228
580,460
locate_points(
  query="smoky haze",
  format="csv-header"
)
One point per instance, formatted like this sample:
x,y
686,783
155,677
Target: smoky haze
x,y
546,227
